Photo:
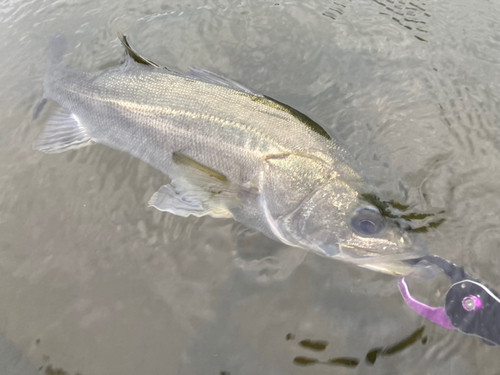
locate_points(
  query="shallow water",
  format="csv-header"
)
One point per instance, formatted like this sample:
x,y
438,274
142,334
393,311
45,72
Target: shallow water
x,y
94,282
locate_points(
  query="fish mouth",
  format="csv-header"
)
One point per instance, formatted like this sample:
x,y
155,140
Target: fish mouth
x,y
368,258
397,268
393,264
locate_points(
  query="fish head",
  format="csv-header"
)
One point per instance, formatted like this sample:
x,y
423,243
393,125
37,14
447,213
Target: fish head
x,y
336,221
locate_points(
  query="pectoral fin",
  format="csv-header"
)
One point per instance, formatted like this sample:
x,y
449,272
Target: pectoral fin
x,y
196,190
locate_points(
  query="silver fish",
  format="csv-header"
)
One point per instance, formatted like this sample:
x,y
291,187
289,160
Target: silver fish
x,y
230,152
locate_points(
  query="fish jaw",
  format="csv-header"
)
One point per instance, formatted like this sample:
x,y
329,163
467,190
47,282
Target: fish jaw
x,y
393,264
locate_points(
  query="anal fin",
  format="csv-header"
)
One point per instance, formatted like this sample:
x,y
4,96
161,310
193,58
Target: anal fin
x,y
63,131
178,202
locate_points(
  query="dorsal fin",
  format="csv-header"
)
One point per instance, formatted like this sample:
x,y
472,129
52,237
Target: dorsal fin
x,y
135,55
203,75
206,76
306,120
200,74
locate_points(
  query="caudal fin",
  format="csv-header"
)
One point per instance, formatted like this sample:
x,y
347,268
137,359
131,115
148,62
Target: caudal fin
x,y
55,51
64,131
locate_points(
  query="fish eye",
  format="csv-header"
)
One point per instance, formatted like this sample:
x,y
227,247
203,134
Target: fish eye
x,y
367,222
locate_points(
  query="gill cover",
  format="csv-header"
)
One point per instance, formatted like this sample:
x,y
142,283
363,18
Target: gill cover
x,y
329,217
306,218
318,223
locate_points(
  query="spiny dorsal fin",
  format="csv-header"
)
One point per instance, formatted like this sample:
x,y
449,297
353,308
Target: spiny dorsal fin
x,y
203,75
135,55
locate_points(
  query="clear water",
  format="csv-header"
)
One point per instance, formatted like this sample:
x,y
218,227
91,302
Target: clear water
x,y
94,282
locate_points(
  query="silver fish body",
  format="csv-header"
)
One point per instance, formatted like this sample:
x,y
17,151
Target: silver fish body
x,y
230,152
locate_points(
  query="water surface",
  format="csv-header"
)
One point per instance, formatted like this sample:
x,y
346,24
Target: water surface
x,y
94,282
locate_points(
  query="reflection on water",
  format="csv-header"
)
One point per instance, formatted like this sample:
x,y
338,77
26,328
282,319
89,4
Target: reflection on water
x,y
110,286
408,14
336,9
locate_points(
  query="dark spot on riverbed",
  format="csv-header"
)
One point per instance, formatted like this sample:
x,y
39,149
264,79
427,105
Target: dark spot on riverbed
x,y
344,361
49,370
316,345
304,361
373,354
370,358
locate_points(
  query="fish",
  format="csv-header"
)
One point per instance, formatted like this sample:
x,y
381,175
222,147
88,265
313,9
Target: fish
x,y
230,152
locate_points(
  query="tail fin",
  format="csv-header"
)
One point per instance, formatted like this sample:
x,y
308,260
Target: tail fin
x,y
55,51
63,132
